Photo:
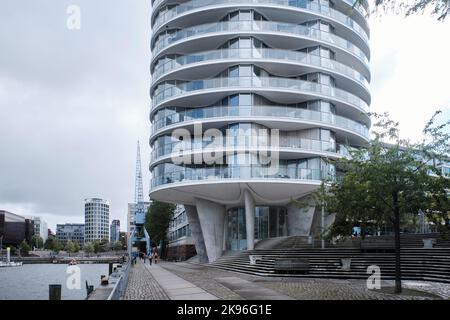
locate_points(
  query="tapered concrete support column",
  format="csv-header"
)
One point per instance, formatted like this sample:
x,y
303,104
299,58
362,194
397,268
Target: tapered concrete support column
x,y
196,232
300,220
250,219
225,232
211,216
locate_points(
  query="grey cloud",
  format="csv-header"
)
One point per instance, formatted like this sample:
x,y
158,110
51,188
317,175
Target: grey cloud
x,y
72,103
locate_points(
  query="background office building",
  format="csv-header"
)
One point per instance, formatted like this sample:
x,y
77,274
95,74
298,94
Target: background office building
x,y
14,229
70,231
96,220
40,228
242,67
130,215
181,243
114,232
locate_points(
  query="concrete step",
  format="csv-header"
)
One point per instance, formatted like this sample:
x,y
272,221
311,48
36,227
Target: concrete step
x,y
326,263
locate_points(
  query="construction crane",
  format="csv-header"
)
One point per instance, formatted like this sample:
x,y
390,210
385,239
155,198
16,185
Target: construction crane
x,y
139,234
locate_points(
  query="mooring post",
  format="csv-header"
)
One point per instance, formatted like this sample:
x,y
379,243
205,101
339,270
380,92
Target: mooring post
x,y
54,291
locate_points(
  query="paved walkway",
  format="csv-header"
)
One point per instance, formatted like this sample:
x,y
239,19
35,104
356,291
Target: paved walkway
x,y
251,291
185,281
217,282
176,287
142,285
151,282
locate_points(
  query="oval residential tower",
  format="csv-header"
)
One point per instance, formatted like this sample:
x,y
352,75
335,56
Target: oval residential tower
x,y
299,68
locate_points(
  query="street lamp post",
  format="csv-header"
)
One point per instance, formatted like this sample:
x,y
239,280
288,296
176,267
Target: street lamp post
x,y
323,226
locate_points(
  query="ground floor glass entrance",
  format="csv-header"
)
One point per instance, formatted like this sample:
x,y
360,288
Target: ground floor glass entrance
x,y
270,222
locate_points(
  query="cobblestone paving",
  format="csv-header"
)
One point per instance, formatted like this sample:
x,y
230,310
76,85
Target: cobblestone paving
x,y
302,289
204,278
326,289
142,285
440,289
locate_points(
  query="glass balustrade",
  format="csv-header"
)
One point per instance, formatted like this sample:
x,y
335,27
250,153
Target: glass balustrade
x,y
258,26
165,91
165,16
221,172
247,143
255,53
259,111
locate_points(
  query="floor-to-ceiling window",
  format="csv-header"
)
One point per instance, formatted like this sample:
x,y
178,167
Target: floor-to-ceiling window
x,y
270,222
237,235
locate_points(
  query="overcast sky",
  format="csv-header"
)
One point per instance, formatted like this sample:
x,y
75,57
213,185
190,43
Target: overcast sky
x,y
73,103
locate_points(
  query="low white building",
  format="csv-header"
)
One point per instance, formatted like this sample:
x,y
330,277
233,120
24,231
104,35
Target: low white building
x,y
40,227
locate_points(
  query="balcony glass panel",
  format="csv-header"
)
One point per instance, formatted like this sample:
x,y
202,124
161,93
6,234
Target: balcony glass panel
x,y
165,39
268,111
325,10
164,92
178,174
284,55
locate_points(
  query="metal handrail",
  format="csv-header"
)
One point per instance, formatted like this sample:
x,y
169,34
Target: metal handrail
x,y
118,291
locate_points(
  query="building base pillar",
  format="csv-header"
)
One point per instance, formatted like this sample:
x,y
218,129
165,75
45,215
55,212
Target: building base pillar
x,y
196,232
211,216
250,219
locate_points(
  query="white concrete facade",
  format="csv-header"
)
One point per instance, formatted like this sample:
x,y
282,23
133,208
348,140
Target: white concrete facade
x,y
96,220
242,67
40,227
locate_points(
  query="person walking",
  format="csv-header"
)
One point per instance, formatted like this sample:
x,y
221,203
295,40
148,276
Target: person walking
x,y
155,255
150,258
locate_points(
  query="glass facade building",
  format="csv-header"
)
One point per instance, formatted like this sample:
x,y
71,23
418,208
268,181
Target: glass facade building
x,y
240,87
70,231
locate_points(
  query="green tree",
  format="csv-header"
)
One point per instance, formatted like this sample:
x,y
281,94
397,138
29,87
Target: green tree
x,y
384,184
13,250
157,220
123,241
70,246
440,8
52,244
100,246
89,248
76,246
117,246
37,241
24,247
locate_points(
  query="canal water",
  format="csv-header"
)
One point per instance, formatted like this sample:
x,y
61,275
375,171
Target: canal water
x,y
31,281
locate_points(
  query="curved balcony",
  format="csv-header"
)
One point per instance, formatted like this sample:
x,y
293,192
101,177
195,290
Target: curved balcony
x,y
250,112
251,144
164,17
267,83
238,172
253,53
360,7
163,41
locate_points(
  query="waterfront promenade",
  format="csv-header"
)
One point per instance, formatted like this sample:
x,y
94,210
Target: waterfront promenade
x,y
187,281
155,283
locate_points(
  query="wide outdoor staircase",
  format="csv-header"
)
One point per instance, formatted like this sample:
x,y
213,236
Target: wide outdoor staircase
x,y
417,263
409,240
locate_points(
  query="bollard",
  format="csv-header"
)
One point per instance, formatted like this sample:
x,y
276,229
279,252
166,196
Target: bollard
x,y
54,291
89,289
104,280
110,269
